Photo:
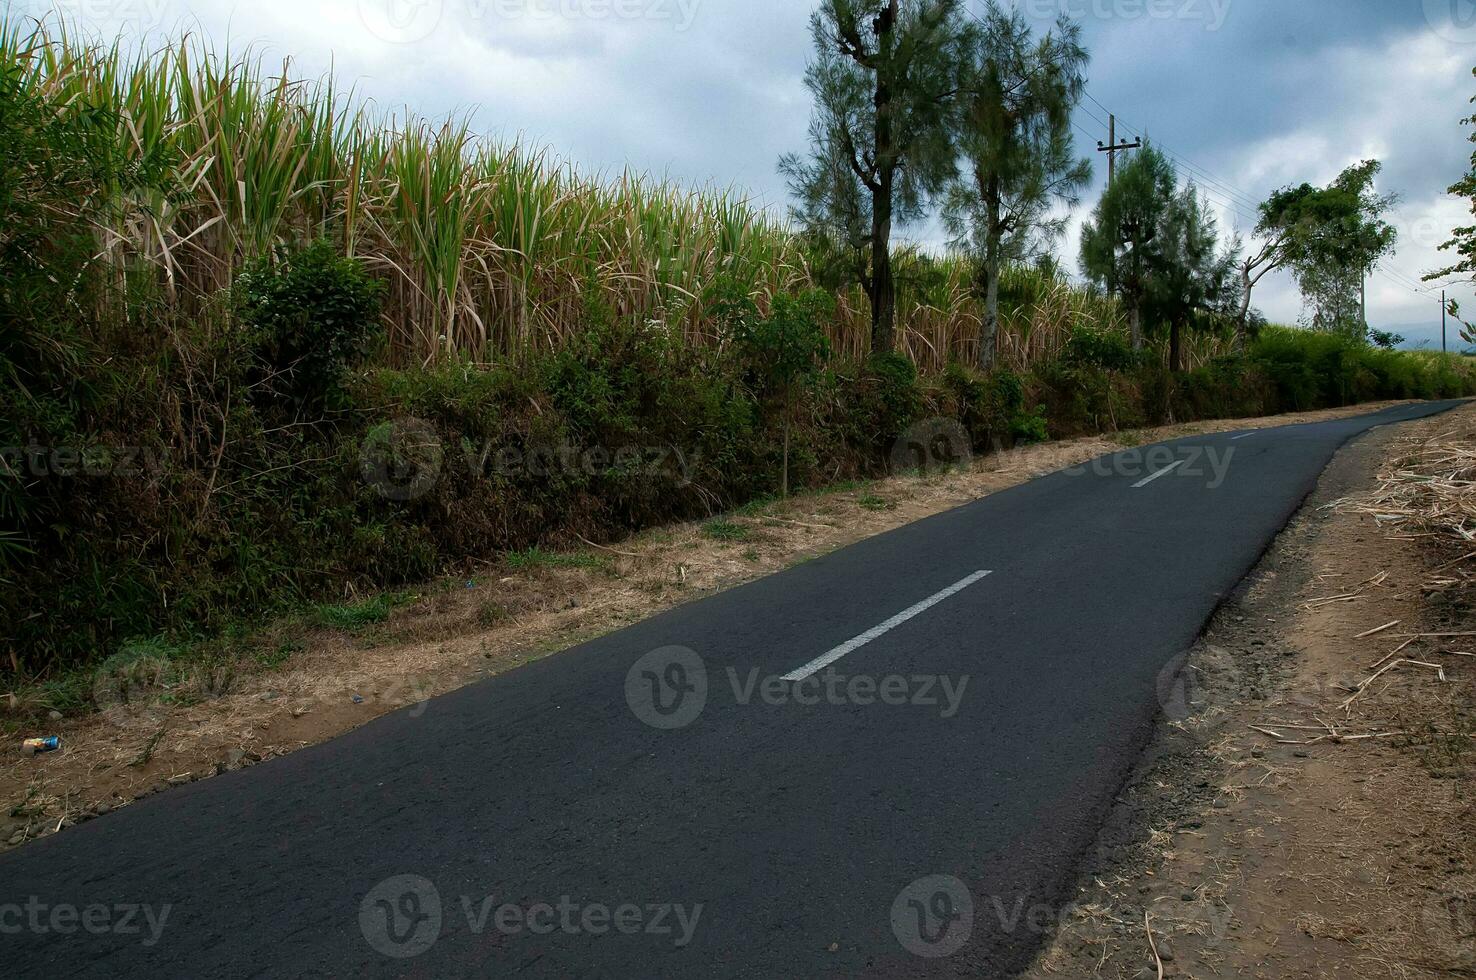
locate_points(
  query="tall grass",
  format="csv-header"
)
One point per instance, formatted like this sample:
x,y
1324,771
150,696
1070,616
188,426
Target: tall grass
x,y
490,250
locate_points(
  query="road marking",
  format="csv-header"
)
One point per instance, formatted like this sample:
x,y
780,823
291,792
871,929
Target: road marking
x,y
1167,469
826,659
1245,436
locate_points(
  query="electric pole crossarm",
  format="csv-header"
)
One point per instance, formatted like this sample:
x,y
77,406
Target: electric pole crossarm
x,y
1112,147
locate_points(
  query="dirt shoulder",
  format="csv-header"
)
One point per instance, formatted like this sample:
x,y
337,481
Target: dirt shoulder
x,y
1308,810
167,725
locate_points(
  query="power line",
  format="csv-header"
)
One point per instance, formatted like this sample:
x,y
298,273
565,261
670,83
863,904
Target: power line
x,y
1219,192
1216,189
1205,174
1236,201
1221,198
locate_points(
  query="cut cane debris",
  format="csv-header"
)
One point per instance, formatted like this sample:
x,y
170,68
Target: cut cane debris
x,y
1376,629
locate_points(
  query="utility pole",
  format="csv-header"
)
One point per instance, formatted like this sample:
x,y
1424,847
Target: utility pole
x,y
1443,349
1113,148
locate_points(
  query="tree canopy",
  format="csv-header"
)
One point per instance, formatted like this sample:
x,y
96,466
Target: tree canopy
x,y
1159,245
884,76
1018,161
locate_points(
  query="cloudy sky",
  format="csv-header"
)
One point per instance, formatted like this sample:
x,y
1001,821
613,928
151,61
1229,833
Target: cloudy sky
x,y
1247,95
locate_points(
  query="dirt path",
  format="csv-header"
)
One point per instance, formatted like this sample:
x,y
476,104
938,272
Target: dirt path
x,y
1305,815
299,688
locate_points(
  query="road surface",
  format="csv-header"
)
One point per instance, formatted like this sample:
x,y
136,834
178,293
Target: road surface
x,y
882,762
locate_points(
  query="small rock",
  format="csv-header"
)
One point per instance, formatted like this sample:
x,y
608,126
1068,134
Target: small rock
x,y
181,779
18,837
1257,753
1187,897
241,757
358,699
1300,754
268,695
54,715
1165,951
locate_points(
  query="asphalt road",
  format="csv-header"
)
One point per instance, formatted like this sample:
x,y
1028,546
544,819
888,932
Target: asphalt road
x,y
629,810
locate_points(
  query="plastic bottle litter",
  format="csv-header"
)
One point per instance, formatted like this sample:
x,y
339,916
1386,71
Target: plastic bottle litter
x,y
31,746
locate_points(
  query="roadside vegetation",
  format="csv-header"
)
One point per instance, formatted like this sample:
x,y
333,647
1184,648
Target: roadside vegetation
x,y
230,296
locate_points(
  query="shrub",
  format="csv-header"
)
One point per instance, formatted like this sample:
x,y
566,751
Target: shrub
x,y
309,314
1030,426
892,396
1090,346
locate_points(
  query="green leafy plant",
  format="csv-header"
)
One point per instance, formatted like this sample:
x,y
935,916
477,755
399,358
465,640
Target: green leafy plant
x,y
725,531
784,349
1031,426
1093,347
310,313
354,616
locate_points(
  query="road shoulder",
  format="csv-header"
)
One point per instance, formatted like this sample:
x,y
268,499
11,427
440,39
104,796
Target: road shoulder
x,y
1301,813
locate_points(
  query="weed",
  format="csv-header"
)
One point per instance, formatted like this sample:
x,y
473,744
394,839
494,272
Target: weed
x,y
274,657
492,613
535,557
725,531
354,616
757,507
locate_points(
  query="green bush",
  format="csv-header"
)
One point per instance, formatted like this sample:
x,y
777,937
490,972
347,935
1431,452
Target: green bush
x,y
890,398
1028,427
990,407
1089,346
309,314
1081,399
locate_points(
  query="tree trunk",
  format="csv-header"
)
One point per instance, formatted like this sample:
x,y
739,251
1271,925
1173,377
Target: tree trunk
x,y
1135,325
1176,350
989,328
1245,305
883,288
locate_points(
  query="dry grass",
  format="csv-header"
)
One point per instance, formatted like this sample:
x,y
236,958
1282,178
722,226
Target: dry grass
x,y
1429,491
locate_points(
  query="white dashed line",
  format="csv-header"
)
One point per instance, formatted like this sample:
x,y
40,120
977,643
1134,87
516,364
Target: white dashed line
x,y
1244,436
826,659
1167,469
